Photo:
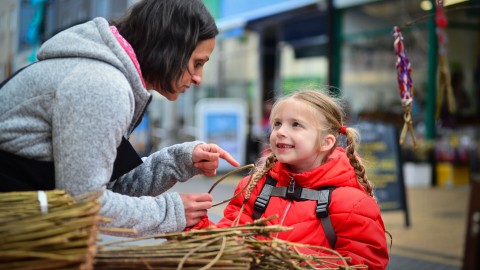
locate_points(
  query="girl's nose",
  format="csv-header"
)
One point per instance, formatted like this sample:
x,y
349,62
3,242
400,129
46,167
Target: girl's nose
x,y
281,131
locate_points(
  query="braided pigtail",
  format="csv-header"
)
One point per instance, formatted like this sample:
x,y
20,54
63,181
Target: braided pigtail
x,y
262,169
351,149
263,166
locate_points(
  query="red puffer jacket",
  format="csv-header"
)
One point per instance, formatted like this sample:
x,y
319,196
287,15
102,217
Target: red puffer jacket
x,y
355,216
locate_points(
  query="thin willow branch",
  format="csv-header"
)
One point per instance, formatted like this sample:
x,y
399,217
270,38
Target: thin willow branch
x,y
227,175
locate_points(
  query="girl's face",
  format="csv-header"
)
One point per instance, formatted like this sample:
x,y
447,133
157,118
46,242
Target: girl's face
x,y
295,136
193,73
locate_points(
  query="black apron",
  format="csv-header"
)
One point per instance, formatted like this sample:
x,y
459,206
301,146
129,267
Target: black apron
x,y
22,174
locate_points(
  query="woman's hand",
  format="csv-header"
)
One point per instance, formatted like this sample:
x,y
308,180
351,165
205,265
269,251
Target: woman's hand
x,y
196,206
206,156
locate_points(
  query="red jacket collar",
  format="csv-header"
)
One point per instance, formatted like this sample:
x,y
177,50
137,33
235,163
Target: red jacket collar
x,y
337,171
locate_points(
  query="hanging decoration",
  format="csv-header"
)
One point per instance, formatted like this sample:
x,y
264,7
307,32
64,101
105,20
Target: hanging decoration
x,y
405,85
444,84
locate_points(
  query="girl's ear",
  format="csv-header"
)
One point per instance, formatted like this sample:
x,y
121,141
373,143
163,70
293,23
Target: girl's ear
x,y
328,142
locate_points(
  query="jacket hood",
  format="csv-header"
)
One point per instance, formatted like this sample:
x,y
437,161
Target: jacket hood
x,y
94,40
336,171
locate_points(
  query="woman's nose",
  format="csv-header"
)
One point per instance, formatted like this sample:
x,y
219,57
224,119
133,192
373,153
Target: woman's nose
x,y
197,79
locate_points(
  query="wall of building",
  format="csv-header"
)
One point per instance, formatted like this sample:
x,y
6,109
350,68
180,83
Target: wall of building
x,y
8,36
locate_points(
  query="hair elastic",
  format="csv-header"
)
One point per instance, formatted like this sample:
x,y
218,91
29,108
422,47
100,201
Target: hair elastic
x,y
343,129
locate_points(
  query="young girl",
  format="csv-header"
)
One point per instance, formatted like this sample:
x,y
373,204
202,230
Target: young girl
x,y
291,181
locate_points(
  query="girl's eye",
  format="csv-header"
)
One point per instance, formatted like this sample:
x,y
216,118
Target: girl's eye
x,y
296,124
276,124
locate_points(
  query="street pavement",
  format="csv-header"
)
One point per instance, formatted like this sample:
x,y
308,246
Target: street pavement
x,y
434,240
436,236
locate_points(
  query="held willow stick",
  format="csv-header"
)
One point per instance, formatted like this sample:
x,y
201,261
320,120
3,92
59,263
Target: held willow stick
x,y
227,175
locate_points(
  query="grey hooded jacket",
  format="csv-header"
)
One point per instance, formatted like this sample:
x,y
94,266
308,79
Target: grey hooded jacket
x,y
73,107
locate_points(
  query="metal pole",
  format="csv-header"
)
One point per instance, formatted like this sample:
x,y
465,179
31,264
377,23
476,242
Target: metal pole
x,y
335,46
431,75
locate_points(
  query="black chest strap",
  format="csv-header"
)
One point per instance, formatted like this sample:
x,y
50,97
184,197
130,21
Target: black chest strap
x,y
322,197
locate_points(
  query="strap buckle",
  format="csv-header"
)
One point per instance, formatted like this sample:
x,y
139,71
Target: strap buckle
x,y
296,195
260,203
322,203
321,210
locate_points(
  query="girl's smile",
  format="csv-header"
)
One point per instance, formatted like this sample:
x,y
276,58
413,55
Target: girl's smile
x,y
282,145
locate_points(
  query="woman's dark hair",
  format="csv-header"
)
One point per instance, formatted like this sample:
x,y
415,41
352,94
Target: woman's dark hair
x,y
164,34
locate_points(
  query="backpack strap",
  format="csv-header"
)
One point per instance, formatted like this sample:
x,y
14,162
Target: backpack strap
x,y
299,194
322,197
321,211
264,198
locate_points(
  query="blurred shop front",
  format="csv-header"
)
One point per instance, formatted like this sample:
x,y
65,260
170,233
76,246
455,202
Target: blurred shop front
x,y
269,48
26,24
447,141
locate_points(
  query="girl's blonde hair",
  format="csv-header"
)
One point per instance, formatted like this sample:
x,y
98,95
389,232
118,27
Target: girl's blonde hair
x,y
332,121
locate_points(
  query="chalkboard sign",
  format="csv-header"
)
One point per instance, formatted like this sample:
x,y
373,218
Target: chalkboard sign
x,y
380,151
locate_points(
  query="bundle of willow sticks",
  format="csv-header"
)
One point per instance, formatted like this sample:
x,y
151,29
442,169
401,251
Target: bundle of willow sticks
x,y
236,248
47,230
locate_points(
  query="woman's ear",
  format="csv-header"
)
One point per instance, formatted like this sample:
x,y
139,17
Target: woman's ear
x,y
328,142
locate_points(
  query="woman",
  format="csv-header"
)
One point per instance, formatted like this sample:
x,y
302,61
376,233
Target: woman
x,y
65,120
